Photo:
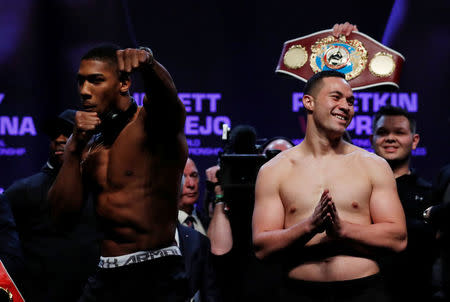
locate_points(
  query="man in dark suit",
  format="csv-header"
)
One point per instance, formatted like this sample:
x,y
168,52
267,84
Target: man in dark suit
x,y
196,251
57,262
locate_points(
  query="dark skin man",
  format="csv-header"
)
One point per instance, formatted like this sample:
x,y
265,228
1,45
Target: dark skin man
x,y
130,160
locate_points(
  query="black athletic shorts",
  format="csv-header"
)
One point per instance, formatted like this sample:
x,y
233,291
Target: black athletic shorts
x,y
145,279
365,289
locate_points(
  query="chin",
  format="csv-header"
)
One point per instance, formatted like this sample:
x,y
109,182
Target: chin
x,y
189,201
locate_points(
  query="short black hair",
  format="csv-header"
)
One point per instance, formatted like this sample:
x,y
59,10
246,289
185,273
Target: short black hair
x,y
102,52
394,111
317,78
106,52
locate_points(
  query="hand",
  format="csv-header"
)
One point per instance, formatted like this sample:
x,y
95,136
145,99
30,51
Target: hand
x,y
130,59
85,124
333,226
211,175
343,29
321,214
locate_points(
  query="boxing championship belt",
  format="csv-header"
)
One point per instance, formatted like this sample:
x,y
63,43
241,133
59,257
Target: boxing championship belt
x,y
365,62
8,289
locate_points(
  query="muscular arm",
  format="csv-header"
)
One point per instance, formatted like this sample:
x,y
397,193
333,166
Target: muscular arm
x,y
66,193
269,234
388,228
164,112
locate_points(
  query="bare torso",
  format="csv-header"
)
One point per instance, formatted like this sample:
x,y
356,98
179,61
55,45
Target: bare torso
x,y
135,186
304,180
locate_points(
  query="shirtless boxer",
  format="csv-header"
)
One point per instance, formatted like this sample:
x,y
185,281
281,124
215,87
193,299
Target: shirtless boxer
x,y
130,159
328,206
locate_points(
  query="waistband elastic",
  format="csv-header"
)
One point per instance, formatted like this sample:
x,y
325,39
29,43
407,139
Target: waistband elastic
x,y
142,256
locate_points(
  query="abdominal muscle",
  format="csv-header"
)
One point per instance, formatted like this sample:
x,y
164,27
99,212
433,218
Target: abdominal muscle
x,y
324,260
337,268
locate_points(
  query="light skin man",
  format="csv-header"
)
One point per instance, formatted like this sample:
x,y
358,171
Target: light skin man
x,y
394,138
330,205
130,160
189,196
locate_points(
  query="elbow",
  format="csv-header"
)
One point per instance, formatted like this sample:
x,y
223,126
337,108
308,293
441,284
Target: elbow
x,y
259,250
219,251
260,255
401,243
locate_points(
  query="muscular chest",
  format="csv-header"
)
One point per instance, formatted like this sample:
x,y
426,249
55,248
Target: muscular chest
x,y
115,165
347,183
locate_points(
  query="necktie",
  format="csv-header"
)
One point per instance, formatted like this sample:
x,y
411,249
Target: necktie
x,y
190,221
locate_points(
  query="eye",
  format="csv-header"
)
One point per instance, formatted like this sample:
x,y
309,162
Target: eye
x,y
381,132
95,79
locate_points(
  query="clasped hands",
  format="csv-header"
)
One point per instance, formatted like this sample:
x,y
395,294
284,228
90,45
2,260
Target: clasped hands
x,y
326,218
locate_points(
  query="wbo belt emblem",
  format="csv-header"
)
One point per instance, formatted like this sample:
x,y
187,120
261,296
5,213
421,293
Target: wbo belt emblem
x,y
348,57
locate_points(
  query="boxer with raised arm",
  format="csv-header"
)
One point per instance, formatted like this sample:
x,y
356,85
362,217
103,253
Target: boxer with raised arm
x,y
130,159
328,206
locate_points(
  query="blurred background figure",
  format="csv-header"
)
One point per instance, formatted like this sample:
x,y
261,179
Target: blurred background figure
x,y
57,262
438,215
408,274
187,212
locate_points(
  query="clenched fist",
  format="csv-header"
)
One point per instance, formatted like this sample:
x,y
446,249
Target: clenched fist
x,y
85,124
130,59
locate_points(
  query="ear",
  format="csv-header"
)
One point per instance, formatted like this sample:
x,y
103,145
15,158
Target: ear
x,y
308,102
372,143
416,139
125,84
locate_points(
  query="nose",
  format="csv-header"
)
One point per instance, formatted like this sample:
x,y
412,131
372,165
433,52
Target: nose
x,y
189,182
84,90
344,106
390,138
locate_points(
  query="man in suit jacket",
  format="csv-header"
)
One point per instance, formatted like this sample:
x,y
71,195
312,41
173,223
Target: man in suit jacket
x,y
196,251
57,262
187,210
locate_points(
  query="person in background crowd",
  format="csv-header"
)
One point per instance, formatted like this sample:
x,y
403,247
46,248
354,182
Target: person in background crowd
x,y
408,274
57,262
187,214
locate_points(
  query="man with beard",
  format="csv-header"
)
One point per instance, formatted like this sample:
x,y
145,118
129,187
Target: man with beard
x,y
408,274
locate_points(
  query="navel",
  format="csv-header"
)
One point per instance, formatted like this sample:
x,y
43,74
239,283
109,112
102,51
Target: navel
x,y
128,173
292,210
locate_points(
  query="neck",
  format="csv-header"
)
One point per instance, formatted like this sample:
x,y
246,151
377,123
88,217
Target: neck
x,y
320,144
54,163
400,168
188,208
113,124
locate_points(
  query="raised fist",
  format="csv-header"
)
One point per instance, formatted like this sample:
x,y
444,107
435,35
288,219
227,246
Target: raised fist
x,y
131,58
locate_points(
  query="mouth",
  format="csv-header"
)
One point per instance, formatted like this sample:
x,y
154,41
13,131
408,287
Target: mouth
x,y
59,152
88,107
341,117
191,195
390,149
